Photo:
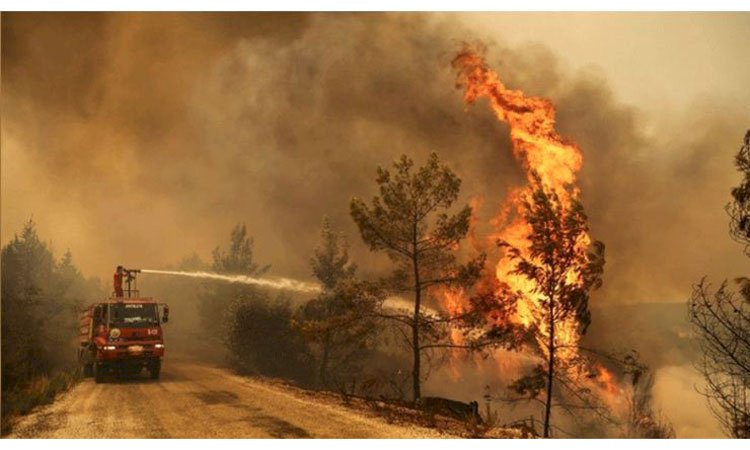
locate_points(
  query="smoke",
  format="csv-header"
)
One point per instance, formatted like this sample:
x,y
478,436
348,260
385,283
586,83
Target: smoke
x,y
174,127
280,283
690,415
144,137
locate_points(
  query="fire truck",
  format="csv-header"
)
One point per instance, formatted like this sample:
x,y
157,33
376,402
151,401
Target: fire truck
x,y
123,334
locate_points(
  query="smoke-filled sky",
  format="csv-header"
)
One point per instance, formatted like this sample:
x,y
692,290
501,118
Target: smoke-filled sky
x,y
140,138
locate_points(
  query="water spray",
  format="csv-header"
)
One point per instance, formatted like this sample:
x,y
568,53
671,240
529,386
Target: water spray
x,y
391,302
274,283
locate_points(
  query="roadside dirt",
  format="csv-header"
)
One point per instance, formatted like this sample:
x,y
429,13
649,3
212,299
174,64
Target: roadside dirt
x,y
197,401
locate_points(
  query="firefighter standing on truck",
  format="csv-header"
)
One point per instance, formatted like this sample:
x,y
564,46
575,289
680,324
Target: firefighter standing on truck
x,y
119,273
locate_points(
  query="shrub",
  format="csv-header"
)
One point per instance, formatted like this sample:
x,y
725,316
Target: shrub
x,y
261,339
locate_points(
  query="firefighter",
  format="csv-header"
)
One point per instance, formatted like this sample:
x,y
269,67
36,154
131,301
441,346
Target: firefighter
x,y
119,273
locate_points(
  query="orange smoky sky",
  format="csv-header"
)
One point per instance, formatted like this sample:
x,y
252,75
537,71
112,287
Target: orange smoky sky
x,y
142,138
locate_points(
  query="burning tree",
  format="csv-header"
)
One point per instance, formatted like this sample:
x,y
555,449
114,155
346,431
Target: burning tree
x,y
722,322
549,263
409,221
561,268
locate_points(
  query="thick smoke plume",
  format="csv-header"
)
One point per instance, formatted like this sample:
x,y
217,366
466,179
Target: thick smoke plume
x,y
141,138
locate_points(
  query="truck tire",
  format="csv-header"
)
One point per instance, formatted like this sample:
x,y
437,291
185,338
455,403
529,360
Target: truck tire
x,y
85,359
98,369
155,369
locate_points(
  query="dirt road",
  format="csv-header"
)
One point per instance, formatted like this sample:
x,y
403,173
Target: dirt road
x,y
193,400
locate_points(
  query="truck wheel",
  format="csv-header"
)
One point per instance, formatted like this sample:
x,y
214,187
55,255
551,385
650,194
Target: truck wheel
x,y
85,359
155,369
98,372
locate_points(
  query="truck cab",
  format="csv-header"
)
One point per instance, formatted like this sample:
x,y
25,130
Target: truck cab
x,y
122,335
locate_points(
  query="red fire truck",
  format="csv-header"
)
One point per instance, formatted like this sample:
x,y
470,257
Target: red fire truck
x,y
123,334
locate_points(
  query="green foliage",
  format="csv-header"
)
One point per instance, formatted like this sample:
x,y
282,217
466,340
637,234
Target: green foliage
x,y
256,328
340,323
261,339
411,222
41,299
238,259
341,327
330,263
217,297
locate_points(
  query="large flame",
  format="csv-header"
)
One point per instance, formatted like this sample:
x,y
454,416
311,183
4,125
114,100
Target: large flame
x,y
540,150
551,160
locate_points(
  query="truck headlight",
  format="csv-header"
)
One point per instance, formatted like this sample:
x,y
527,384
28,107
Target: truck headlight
x,y
110,347
158,345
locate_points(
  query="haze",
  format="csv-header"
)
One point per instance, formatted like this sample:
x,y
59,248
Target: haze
x,y
138,139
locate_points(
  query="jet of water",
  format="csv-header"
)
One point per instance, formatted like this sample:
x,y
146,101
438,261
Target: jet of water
x,y
391,302
274,283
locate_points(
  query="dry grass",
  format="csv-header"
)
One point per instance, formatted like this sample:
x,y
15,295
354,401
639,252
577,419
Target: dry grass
x,y
400,412
42,390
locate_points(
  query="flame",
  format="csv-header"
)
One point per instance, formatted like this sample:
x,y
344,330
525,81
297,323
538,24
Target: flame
x,y
607,381
555,161
535,142
539,149
454,301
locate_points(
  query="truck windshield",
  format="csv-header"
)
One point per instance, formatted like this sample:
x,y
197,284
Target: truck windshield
x,y
134,315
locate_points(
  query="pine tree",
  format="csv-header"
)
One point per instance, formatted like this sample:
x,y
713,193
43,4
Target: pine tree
x,y
217,299
339,322
554,237
411,222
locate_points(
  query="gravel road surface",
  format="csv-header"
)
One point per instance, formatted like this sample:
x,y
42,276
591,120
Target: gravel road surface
x,y
193,400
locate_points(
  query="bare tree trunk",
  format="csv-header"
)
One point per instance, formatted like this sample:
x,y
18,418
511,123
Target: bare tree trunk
x,y
324,359
416,388
416,369
550,371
